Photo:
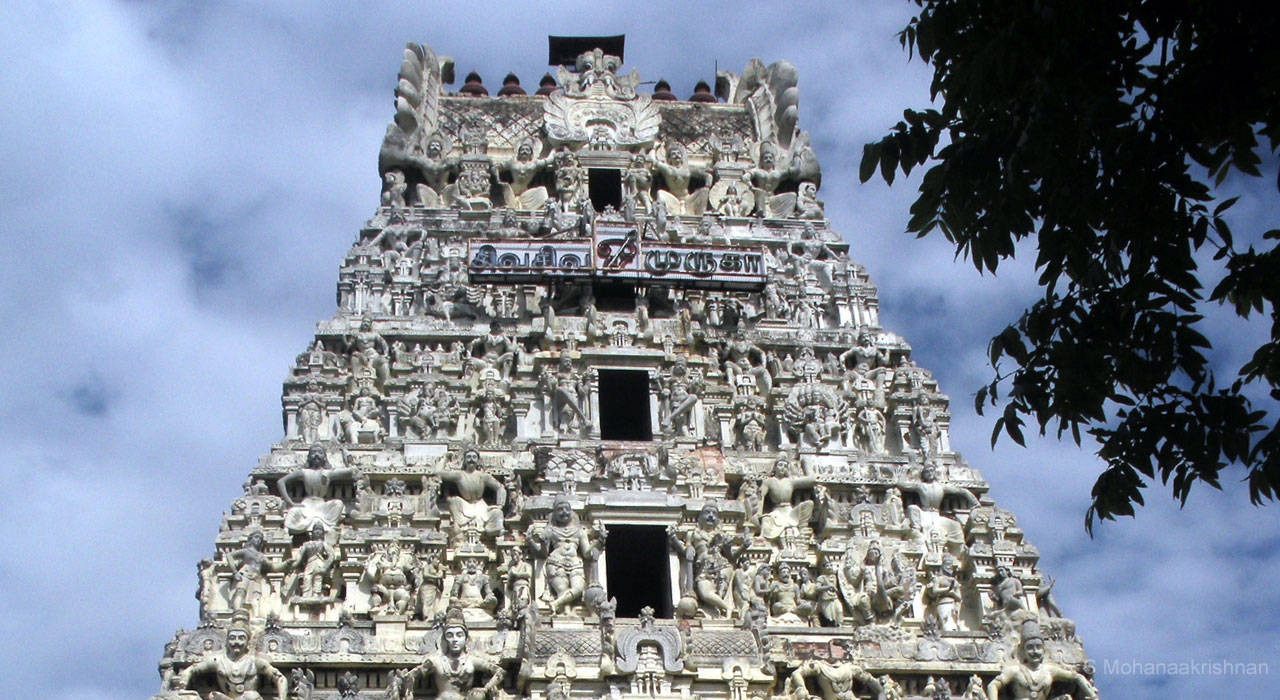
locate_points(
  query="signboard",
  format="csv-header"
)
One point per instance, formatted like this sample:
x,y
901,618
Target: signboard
x,y
616,255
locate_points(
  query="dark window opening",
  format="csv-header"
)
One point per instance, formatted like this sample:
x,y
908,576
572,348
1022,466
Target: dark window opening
x,y
624,404
612,296
638,571
605,187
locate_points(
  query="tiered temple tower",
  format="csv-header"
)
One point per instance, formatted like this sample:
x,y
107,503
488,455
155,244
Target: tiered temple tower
x,y
606,409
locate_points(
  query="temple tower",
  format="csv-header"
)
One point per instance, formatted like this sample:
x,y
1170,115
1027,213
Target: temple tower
x,y
606,408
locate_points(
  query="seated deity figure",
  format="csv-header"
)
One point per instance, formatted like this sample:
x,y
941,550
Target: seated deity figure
x,y
250,565
237,670
467,508
741,357
368,354
927,516
496,350
781,518
807,204
1030,677
390,575
523,169
708,553
455,673
681,390
314,480
1007,591
567,547
876,590
362,423
473,591
678,175
393,189
835,681
942,595
788,604
311,568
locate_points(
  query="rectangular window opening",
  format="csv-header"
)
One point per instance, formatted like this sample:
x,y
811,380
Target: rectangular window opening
x,y
638,570
624,404
614,296
605,187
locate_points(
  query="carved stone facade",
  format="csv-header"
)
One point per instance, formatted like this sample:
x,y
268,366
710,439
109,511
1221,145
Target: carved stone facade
x,y
606,410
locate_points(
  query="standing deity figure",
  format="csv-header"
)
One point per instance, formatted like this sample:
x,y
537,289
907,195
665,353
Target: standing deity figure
x,y
876,590
368,356
454,671
568,547
871,428
781,517
681,390
942,596
311,568
492,413
637,183
496,350
473,591
564,391
750,421
390,575
517,578
314,480
926,429
249,566
709,554
430,587
1030,677
468,509
523,168
237,671
836,681
826,593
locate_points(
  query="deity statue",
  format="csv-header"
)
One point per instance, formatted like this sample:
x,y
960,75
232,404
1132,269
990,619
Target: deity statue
x,y
637,183
367,356
517,577
826,593
750,421
250,566
454,671
741,357
836,681
781,518
424,416
362,422
311,568
681,389
314,479
430,586
568,547
393,189
942,595
436,168
876,590
709,554
496,350
564,392
677,174
1007,590
473,591
468,509
785,594
927,516
871,428
807,204
523,168
236,669
1030,677
389,575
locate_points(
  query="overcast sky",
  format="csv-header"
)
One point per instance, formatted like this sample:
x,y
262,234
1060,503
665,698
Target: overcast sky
x,y
180,183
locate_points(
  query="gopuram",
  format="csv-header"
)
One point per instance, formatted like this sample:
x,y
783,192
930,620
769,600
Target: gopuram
x,y
606,410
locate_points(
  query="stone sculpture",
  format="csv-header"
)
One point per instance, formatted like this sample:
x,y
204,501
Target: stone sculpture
x,y
595,314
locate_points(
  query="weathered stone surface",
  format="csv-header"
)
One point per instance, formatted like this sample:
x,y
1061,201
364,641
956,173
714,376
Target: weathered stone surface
x,y
606,409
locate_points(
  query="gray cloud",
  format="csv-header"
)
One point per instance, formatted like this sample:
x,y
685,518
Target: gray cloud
x,y
182,180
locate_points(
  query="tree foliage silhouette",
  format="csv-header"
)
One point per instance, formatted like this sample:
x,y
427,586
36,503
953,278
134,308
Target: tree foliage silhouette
x,y
1105,131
